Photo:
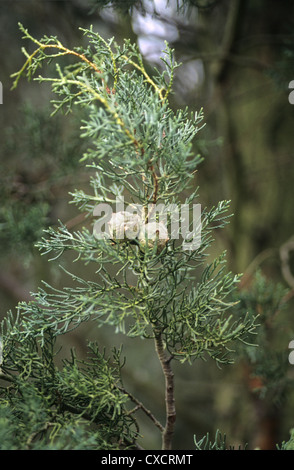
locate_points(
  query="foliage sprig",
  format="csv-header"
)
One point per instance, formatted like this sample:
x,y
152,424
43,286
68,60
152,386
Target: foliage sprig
x,y
142,150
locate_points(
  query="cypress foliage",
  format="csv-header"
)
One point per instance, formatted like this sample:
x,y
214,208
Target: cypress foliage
x,y
146,285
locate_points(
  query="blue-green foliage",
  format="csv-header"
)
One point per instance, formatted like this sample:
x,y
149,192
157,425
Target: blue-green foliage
x,y
141,149
78,406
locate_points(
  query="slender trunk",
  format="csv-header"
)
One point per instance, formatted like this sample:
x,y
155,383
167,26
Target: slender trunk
x,y
168,431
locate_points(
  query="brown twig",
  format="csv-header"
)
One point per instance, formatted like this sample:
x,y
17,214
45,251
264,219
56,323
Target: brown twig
x,y
155,183
36,433
143,408
168,431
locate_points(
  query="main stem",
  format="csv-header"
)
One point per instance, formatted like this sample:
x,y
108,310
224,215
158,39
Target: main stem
x,y
168,431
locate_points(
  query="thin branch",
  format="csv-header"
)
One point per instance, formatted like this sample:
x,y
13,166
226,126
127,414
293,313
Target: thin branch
x,y
143,408
147,77
43,47
155,182
252,267
169,393
35,434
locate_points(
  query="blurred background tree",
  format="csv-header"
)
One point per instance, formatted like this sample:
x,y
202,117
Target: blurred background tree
x,y
237,61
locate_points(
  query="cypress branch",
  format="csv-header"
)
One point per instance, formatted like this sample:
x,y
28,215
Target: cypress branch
x,y
142,150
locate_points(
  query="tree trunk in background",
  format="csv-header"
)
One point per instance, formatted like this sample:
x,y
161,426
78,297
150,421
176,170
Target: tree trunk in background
x,y
247,106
